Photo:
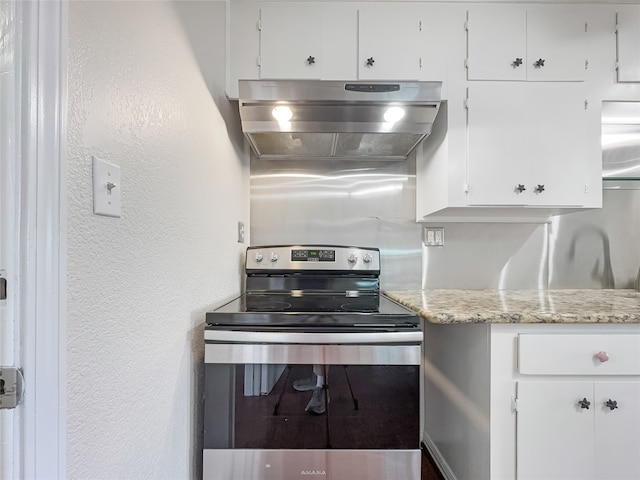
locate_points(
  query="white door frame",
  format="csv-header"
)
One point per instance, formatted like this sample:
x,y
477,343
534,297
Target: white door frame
x,y
39,279
9,108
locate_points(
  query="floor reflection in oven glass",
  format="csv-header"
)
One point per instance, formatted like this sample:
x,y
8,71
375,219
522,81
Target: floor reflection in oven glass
x,y
369,407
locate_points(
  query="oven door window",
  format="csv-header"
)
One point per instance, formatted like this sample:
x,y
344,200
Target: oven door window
x,y
267,406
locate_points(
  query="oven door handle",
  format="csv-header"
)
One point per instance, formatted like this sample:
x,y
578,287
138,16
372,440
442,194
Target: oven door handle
x,y
324,338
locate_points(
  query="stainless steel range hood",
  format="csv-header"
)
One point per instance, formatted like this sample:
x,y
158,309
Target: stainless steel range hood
x,y
332,119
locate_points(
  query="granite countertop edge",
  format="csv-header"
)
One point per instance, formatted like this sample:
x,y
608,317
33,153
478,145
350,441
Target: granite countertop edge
x,y
582,306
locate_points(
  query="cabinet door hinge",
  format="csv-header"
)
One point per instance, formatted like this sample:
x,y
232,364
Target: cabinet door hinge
x,y
617,65
420,26
420,62
586,26
586,104
586,64
466,188
11,387
466,26
586,188
514,404
258,61
259,25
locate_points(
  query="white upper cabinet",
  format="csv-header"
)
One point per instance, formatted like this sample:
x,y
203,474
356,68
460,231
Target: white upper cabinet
x,y
389,41
526,144
304,41
535,43
291,42
338,41
556,37
497,43
628,43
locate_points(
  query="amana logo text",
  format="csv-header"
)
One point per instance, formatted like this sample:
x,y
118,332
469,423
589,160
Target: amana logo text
x,y
313,472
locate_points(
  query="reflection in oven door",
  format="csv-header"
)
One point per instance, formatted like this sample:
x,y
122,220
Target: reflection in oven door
x,y
258,426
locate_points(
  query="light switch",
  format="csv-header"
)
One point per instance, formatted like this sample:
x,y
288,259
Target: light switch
x,y
106,188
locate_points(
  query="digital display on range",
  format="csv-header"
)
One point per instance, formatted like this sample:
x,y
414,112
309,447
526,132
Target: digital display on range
x,y
313,255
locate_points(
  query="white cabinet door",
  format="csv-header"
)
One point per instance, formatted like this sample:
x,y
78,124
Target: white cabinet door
x,y
291,42
542,43
526,144
554,434
557,144
389,41
556,43
243,45
339,42
628,43
497,45
617,430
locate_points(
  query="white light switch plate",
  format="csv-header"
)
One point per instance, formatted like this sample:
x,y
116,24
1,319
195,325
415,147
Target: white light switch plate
x,y
106,188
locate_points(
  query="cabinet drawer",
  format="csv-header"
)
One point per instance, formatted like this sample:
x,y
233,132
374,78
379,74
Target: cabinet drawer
x,y
579,354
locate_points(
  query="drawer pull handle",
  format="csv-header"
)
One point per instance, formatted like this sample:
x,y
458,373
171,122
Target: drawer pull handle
x,y
602,356
584,403
611,404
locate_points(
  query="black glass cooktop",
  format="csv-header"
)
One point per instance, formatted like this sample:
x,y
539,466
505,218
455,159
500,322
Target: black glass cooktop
x,y
319,310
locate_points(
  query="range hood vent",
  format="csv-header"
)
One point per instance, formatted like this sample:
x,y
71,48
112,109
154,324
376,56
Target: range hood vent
x,y
330,119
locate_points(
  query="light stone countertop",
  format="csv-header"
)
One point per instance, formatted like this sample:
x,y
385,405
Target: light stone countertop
x,y
522,306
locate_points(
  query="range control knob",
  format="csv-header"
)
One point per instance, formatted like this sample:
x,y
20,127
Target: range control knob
x,y
367,258
258,257
274,257
353,258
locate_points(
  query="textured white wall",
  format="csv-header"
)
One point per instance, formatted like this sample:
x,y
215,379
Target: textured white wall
x,y
145,93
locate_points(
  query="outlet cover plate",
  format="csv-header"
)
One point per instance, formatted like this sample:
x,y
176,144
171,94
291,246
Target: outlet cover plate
x,y
240,232
433,236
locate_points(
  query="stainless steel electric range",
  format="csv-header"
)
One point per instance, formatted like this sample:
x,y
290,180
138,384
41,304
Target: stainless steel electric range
x,y
313,372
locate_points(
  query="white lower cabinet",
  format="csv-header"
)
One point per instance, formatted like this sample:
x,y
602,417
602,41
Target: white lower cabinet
x,y
617,430
578,407
578,430
533,401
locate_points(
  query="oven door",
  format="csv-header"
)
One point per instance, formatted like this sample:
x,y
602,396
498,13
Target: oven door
x,y
257,425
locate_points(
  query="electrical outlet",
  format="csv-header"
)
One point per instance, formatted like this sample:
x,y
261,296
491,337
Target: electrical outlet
x,y
240,232
433,236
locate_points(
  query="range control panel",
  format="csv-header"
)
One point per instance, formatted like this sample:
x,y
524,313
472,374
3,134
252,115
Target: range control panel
x,y
312,257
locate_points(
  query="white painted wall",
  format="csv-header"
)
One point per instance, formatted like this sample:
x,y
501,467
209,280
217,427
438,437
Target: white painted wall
x,y
145,93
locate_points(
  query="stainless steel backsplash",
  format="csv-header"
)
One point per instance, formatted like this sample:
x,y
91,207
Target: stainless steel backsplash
x,y
359,203
373,205
599,248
